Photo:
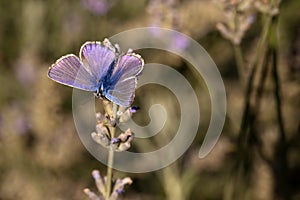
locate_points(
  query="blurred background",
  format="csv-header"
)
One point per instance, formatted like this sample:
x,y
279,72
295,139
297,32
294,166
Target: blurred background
x,y
256,46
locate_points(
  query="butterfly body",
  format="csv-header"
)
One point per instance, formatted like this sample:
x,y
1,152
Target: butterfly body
x,y
101,69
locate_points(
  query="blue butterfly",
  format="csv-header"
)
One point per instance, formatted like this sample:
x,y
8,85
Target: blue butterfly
x,y
101,69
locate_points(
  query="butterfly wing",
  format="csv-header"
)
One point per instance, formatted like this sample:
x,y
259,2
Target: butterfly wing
x,y
123,79
98,57
69,70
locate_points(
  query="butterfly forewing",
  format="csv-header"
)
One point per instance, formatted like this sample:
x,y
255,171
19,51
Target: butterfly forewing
x,y
123,80
98,57
69,70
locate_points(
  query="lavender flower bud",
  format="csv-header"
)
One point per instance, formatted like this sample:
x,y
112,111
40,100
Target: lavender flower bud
x,y
125,116
91,194
102,135
119,187
99,182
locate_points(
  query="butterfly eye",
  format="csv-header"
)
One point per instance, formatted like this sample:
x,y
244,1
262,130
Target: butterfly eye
x,y
98,94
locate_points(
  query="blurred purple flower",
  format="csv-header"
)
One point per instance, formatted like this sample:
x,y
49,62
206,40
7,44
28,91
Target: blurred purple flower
x,y
21,125
154,30
25,71
251,19
179,43
18,119
97,7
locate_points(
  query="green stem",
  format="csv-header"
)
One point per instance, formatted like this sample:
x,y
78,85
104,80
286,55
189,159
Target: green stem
x,y
257,64
172,183
277,91
281,163
238,52
110,157
240,63
244,133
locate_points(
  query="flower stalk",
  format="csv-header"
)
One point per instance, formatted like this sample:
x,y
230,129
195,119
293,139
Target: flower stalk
x,y
105,135
111,155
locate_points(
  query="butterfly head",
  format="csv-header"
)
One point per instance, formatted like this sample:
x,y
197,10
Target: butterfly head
x,y
99,92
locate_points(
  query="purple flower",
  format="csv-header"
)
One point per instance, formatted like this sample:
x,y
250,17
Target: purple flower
x,y
115,140
154,30
251,19
96,174
25,71
133,109
120,191
179,43
97,7
21,125
20,122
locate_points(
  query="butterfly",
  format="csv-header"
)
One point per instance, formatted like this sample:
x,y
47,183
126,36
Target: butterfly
x,y
101,69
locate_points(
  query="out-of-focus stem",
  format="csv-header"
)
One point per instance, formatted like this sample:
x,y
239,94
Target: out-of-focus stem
x,y
244,133
110,157
277,90
258,62
281,163
238,52
240,63
277,97
172,183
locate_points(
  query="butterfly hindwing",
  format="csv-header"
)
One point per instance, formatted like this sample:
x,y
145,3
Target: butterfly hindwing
x,y
69,70
123,79
123,93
